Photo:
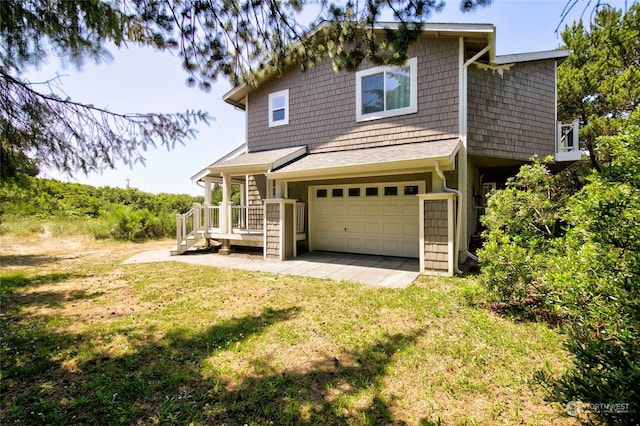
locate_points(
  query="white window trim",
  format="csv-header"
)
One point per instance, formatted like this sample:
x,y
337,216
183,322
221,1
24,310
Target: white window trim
x,y
413,104
284,93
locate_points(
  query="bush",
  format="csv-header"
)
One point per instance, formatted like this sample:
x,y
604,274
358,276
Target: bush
x,y
581,256
127,223
599,278
522,222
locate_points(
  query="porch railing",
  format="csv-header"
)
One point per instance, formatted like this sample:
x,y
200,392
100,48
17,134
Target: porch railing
x,y
202,219
300,218
247,218
567,142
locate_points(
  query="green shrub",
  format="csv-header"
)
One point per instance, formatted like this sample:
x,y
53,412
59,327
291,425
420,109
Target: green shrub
x,y
599,279
522,222
127,223
579,255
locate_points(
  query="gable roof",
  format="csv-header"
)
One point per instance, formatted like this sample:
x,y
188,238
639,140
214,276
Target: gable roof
x,y
257,162
205,172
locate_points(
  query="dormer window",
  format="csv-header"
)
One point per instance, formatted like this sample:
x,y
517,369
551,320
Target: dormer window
x,y
387,91
279,108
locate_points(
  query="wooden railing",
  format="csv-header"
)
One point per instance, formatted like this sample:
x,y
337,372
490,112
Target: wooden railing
x,y
567,142
300,218
207,219
247,218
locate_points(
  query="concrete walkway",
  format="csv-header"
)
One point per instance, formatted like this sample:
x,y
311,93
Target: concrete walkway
x,y
394,272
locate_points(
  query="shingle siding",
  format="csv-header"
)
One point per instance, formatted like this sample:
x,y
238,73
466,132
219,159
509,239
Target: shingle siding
x,y
272,235
512,116
323,106
436,237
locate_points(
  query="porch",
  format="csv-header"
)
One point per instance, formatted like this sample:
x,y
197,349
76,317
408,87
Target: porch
x,y
236,224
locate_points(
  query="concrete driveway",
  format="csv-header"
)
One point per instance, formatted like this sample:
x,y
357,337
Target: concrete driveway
x,y
394,272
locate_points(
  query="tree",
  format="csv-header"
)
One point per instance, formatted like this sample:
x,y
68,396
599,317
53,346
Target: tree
x,y
599,84
239,39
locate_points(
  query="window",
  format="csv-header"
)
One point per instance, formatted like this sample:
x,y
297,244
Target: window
x,y
279,108
411,190
354,192
387,91
321,193
371,192
390,190
336,192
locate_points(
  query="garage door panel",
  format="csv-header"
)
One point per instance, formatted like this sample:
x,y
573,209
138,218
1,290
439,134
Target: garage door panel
x,y
354,209
354,244
337,209
371,210
391,210
391,228
410,209
410,229
371,245
390,246
371,227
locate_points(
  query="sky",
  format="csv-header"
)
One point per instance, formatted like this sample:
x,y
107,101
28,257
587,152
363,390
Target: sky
x,y
145,80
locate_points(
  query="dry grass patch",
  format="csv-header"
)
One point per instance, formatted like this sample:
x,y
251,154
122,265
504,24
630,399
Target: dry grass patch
x,y
87,339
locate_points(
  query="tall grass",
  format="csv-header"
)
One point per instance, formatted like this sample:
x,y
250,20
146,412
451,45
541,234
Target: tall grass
x,y
32,206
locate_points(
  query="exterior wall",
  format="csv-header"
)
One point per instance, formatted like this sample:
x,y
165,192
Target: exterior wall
x,y
257,192
323,106
272,232
257,189
512,116
436,236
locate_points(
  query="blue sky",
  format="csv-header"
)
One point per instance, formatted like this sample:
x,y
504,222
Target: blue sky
x,y
144,80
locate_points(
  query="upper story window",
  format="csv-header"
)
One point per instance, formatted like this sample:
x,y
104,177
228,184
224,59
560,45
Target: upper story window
x,y
387,91
279,108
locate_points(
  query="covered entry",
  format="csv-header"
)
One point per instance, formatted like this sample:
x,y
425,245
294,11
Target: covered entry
x,y
373,218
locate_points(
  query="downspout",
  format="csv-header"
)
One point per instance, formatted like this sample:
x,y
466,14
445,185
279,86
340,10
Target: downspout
x,y
462,156
456,238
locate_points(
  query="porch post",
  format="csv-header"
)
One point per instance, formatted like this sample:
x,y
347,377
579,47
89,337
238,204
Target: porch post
x,y
207,190
207,203
225,213
280,229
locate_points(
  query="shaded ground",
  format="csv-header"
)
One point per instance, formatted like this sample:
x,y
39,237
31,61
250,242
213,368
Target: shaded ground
x,y
87,340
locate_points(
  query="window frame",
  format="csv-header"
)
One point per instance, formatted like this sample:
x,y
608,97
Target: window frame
x,y
413,91
272,96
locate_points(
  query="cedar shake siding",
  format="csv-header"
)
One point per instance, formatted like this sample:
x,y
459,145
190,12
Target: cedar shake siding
x,y
512,116
322,106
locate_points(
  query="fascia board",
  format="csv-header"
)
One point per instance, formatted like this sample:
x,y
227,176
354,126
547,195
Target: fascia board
x,y
386,168
207,170
532,56
286,159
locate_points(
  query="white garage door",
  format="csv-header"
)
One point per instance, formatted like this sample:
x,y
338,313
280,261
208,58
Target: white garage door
x,y
378,218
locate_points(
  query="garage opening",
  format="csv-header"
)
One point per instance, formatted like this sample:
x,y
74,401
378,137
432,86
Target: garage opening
x,y
370,218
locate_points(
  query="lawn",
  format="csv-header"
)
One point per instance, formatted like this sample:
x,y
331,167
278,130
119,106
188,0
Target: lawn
x,y
88,340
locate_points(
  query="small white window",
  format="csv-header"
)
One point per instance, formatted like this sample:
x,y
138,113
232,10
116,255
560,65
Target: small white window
x,y
279,108
387,91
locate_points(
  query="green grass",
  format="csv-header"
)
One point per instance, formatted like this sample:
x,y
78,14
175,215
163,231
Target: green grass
x,y
87,340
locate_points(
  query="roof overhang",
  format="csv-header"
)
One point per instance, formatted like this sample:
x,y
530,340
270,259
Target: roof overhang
x,y
206,172
559,55
257,162
377,161
476,37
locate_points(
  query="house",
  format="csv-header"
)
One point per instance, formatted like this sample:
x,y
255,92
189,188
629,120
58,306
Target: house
x,y
387,160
